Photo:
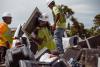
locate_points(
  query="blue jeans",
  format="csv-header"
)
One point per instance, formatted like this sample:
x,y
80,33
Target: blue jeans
x,y
58,34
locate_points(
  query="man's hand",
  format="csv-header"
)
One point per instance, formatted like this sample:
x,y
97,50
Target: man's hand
x,y
8,44
53,27
38,40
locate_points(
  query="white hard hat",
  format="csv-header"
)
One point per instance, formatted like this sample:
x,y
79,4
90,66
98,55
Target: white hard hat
x,y
49,1
6,14
44,17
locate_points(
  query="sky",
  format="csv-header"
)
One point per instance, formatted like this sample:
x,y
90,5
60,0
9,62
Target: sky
x,y
85,10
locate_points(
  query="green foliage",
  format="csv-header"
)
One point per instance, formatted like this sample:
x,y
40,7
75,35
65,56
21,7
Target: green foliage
x,y
79,28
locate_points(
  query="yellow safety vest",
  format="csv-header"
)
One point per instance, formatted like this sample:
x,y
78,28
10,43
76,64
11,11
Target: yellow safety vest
x,y
48,42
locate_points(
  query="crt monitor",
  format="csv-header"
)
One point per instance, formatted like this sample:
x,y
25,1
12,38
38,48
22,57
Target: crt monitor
x,y
32,22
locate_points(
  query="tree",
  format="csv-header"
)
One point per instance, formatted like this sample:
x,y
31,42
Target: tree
x,y
96,25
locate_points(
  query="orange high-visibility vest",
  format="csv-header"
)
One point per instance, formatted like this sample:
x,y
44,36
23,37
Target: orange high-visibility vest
x,y
4,34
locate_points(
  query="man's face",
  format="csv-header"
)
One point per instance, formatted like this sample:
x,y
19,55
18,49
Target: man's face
x,y
7,20
50,6
42,23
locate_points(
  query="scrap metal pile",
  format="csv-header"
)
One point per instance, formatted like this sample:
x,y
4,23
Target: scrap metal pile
x,y
86,54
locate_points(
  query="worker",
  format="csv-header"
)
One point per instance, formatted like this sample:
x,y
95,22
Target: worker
x,y
43,34
59,24
5,35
